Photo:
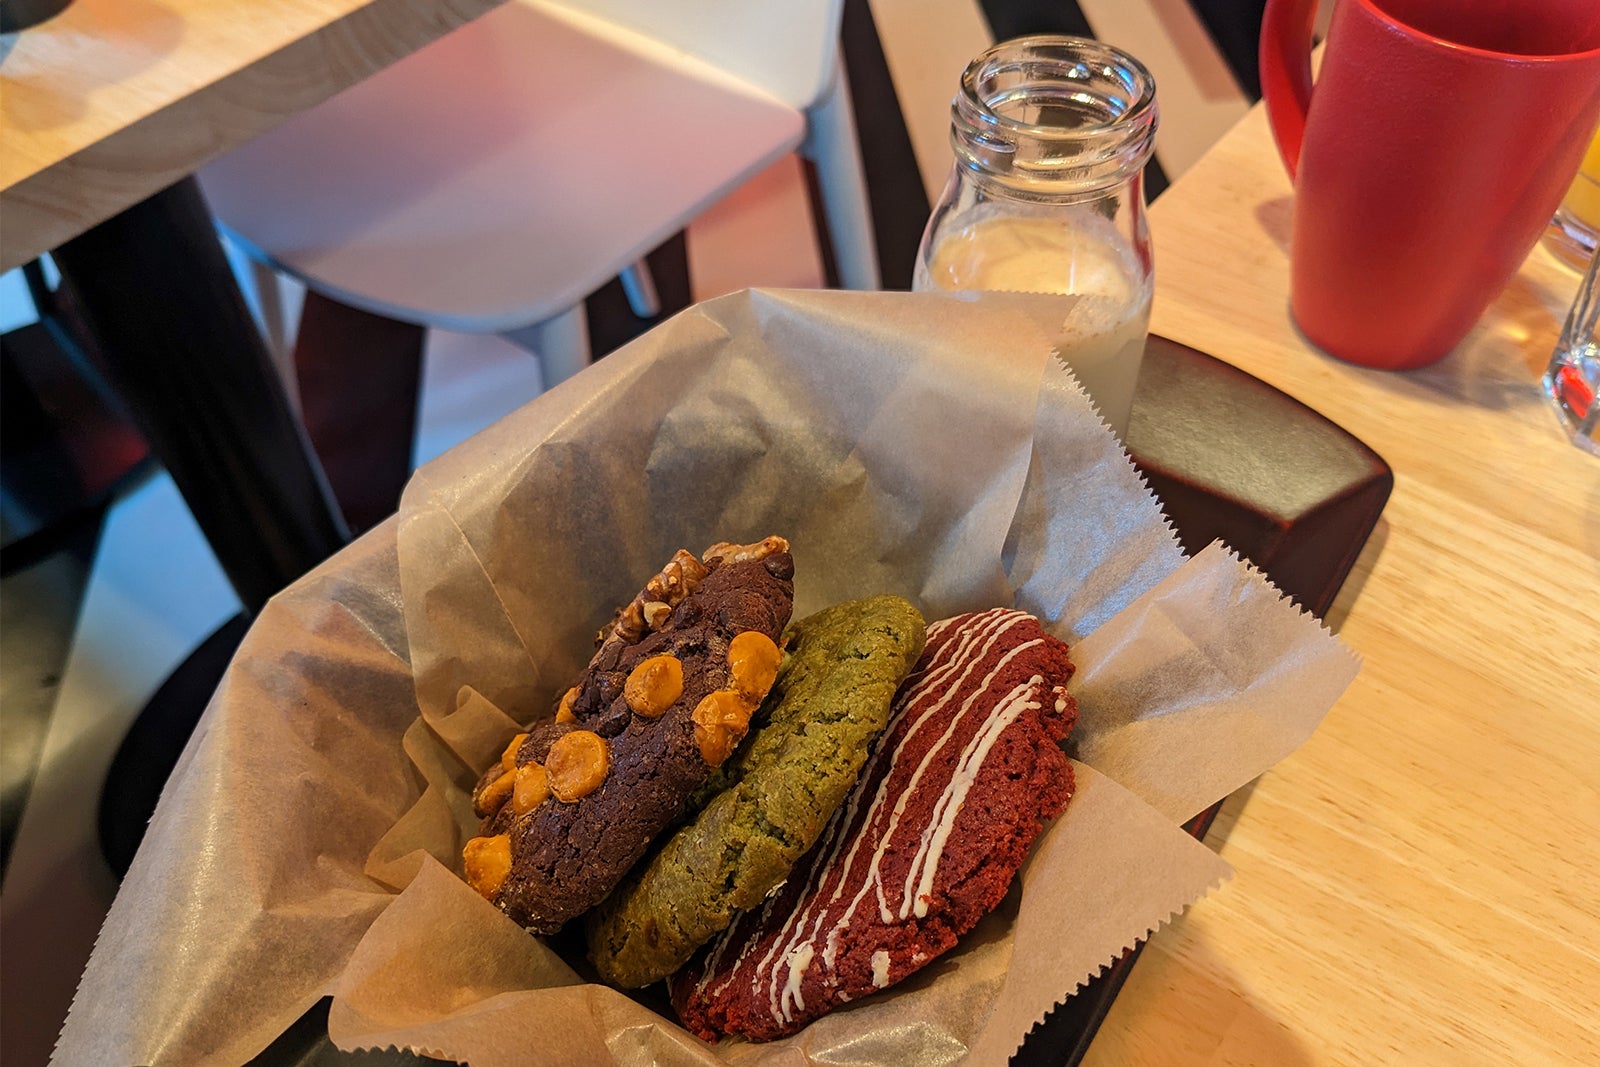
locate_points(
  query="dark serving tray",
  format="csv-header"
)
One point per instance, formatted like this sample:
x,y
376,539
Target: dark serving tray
x,y
1291,491
1231,458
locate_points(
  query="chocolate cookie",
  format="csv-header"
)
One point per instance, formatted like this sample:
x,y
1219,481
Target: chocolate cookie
x,y
769,803
926,843
665,700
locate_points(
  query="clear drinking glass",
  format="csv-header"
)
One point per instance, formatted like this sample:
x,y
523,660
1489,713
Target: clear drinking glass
x,y
1573,376
1574,232
1051,135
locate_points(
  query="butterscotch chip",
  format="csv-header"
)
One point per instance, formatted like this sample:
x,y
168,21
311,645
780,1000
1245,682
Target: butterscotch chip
x,y
493,796
654,686
564,711
577,764
508,758
753,660
724,707
716,743
531,788
720,722
487,861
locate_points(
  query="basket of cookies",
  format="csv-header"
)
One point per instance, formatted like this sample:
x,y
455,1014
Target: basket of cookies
x,y
812,680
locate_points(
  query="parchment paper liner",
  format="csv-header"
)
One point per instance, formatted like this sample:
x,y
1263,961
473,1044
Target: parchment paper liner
x,y
921,444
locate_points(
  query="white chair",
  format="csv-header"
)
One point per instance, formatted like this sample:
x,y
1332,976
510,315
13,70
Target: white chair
x,y
491,181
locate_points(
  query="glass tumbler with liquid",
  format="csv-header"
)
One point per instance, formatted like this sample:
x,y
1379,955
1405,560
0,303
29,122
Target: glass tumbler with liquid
x,y
1574,233
1572,379
1046,195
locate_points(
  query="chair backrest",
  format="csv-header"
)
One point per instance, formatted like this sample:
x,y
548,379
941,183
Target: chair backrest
x,y
786,47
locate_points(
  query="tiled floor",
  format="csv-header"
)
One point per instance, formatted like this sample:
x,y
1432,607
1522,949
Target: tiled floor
x,y
84,640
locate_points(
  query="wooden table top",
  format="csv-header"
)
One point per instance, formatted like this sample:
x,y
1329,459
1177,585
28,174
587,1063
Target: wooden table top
x,y
1418,884
113,100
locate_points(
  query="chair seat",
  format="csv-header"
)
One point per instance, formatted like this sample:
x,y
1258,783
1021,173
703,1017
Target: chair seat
x,y
497,177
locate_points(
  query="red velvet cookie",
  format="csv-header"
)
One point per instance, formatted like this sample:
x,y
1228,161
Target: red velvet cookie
x,y
924,846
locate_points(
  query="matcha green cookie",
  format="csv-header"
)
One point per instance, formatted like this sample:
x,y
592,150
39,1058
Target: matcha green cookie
x,y
807,745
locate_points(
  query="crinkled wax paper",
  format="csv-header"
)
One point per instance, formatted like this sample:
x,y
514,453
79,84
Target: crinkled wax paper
x,y
922,444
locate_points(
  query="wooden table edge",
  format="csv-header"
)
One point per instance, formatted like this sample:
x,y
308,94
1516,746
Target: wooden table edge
x,y
60,201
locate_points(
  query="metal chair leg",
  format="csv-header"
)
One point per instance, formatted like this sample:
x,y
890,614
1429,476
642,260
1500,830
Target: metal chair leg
x,y
831,144
560,342
640,289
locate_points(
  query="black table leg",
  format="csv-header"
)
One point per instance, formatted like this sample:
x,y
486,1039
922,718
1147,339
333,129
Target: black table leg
x,y
67,445
178,345
182,351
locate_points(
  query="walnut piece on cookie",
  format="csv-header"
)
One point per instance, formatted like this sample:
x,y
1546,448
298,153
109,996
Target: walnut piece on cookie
x,y
655,602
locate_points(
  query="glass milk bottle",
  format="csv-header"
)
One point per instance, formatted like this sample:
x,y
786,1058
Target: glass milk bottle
x,y
1051,135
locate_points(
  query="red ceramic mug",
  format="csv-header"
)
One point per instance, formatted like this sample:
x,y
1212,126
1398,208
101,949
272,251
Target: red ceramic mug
x,y
1439,139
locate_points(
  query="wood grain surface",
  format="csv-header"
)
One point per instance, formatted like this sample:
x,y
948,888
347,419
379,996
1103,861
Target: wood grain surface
x,y
1420,883
113,100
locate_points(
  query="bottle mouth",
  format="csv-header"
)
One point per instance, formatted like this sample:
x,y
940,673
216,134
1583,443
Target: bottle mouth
x,y
1047,112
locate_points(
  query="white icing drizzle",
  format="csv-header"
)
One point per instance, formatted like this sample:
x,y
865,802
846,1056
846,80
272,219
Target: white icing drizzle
x,y
931,848
880,968
797,960
901,912
714,958
967,659
834,835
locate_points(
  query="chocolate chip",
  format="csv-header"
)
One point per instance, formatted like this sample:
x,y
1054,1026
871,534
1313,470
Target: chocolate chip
x,y
611,722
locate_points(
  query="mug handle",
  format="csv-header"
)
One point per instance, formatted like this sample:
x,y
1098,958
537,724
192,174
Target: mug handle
x,y
1285,58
